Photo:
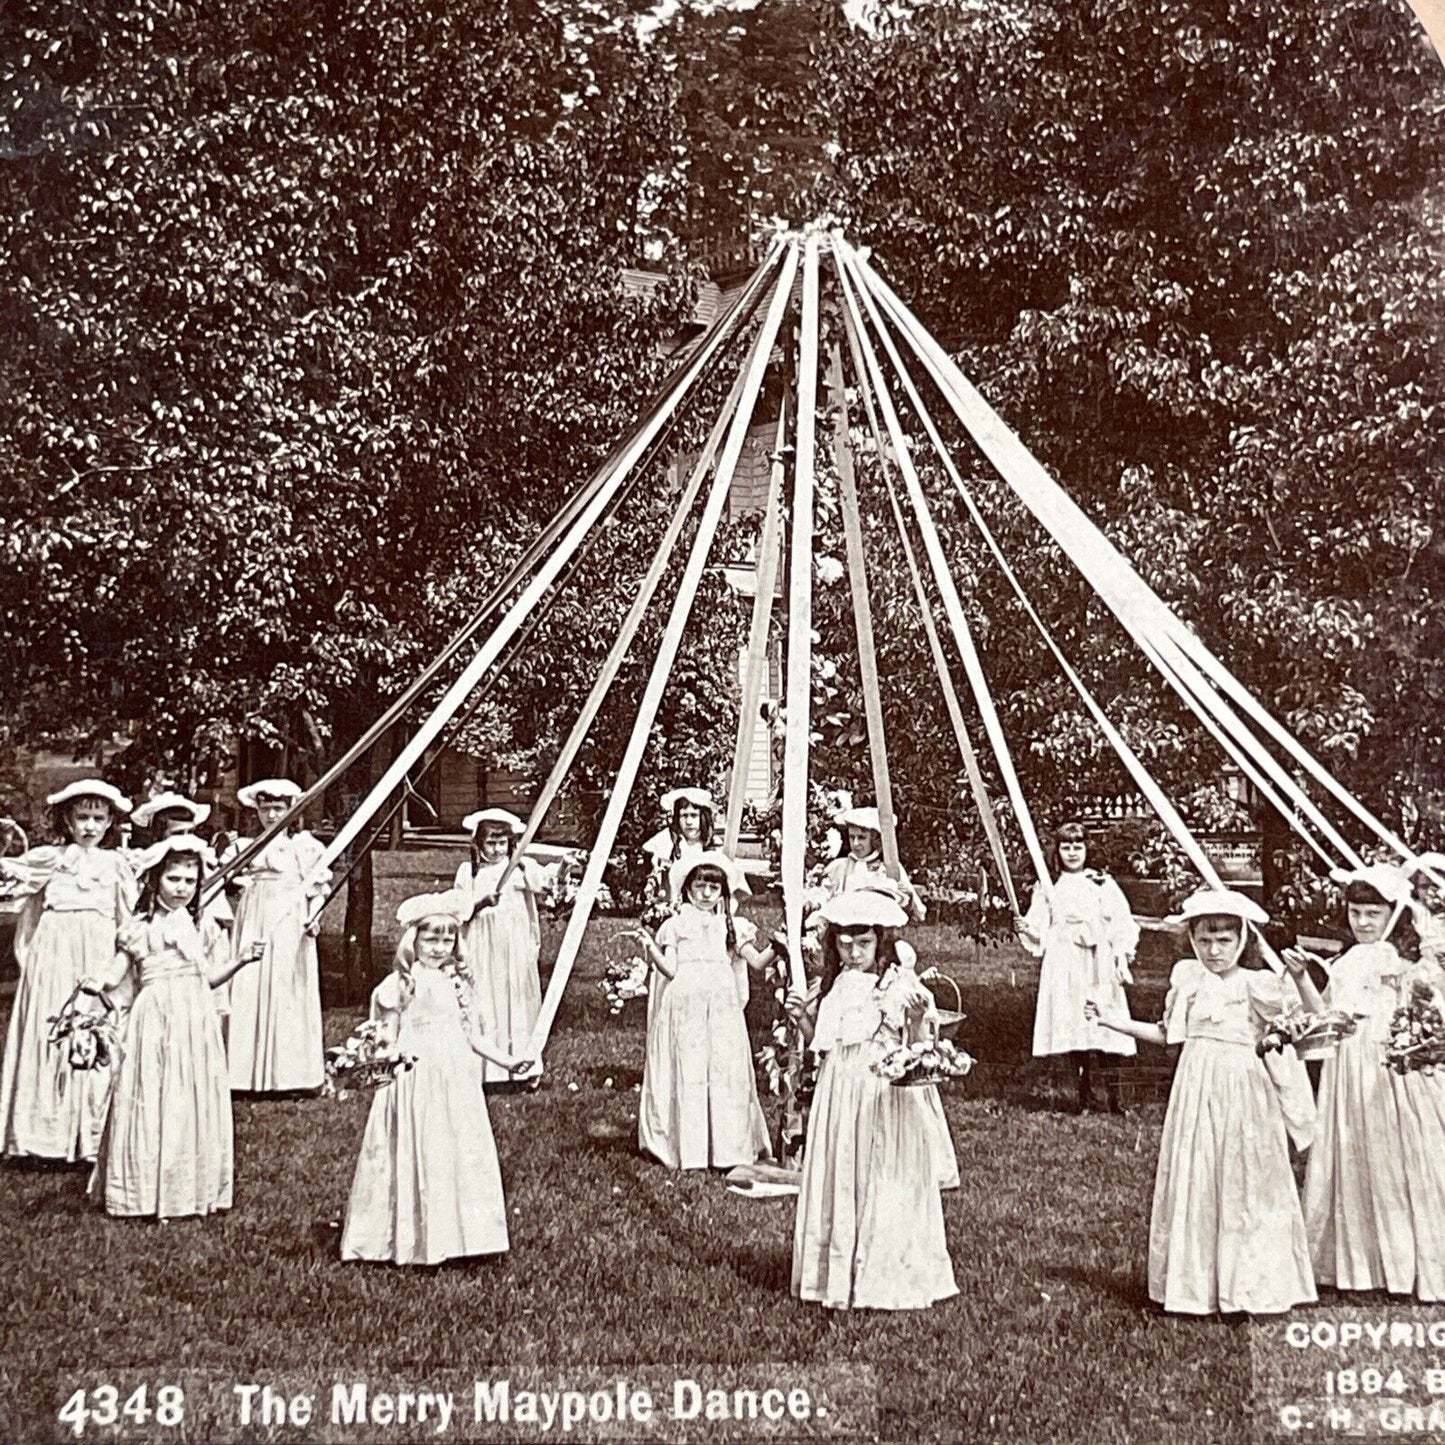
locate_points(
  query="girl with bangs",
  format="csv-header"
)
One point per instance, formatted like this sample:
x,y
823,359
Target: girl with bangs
x,y
428,1184
869,1231
1226,1233
1375,1187
167,1149
80,893
699,1107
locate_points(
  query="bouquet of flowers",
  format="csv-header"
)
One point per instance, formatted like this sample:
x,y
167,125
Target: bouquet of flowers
x,y
1417,1033
1313,1036
930,1061
86,1033
364,1061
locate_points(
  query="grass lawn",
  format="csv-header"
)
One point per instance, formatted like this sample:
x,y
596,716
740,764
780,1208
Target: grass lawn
x,y
617,1263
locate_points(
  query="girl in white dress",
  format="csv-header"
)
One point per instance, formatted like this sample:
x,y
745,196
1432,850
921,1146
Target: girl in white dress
x,y
860,865
502,935
1375,1188
167,1148
168,814
691,823
691,818
273,1041
1086,935
699,1107
1226,1232
80,893
428,1185
869,1230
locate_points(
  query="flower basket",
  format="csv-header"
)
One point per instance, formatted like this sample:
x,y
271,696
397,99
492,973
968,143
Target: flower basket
x,y
623,980
928,1063
1312,1036
84,1031
947,1018
364,1061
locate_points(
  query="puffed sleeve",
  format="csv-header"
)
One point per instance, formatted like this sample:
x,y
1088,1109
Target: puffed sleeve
x,y
835,875
1123,932
130,938
127,887
386,997
825,1025
533,875
745,931
667,933
1269,994
1183,985
30,871
1038,918
310,851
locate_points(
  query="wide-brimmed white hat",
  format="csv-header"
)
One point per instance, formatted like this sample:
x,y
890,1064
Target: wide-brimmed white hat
x,y
698,797
869,818
684,868
157,853
863,908
1390,882
501,816
90,788
449,904
170,803
282,788
1218,903
1425,862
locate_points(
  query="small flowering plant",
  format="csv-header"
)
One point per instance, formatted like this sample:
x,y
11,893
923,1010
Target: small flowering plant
x,y
1416,1040
1312,1036
929,1061
365,1061
85,1029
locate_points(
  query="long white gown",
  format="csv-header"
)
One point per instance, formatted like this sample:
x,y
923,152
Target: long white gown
x,y
868,1232
1087,937
66,931
427,1185
274,1040
1226,1232
699,1106
501,947
1375,1187
167,1148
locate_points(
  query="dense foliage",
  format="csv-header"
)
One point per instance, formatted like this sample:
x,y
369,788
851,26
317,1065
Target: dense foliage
x,y
313,315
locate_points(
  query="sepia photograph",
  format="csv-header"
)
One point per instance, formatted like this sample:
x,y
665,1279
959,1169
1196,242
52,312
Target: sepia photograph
x,y
723,721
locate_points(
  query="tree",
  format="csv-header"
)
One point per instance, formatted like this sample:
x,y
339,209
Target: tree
x,y
305,305
1191,256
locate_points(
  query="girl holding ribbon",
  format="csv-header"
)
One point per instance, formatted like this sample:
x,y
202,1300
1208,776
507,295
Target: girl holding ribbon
x,y
1375,1187
1226,1232
273,1042
1084,931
